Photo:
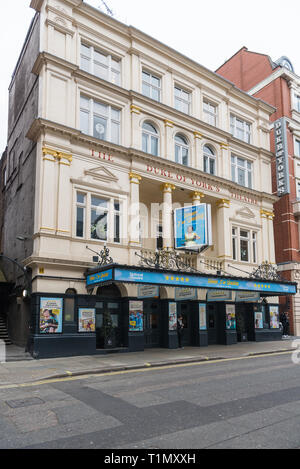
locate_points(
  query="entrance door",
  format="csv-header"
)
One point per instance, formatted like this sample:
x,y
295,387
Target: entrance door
x,y
212,324
152,330
108,327
184,311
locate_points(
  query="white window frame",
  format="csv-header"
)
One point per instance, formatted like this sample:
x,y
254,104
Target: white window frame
x,y
149,135
151,85
251,241
109,209
236,167
181,147
81,205
209,157
297,102
180,101
109,117
240,128
297,147
113,74
210,112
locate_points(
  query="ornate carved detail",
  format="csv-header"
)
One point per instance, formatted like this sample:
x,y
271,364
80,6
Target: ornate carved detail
x,y
104,256
266,271
165,259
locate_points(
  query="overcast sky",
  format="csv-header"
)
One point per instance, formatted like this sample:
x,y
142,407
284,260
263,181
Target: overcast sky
x,y
208,31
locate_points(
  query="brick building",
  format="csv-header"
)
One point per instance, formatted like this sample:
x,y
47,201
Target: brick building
x,y
277,84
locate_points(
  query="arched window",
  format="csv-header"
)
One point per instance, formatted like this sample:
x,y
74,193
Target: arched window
x,y
150,139
209,160
181,150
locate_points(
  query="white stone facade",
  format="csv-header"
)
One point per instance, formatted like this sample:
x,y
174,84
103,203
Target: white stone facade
x,y
74,167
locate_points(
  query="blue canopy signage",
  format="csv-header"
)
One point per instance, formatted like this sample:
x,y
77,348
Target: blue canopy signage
x,y
183,280
97,279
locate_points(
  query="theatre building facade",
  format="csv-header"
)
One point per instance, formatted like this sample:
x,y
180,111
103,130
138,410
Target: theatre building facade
x,y
116,133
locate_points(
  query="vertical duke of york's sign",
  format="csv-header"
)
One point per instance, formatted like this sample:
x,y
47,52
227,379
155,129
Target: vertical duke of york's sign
x,y
282,157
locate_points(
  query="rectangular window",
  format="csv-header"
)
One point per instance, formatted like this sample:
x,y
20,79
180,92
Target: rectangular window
x,y
80,214
298,189
240,129
100,64
210,113
297,103
182,100
244,245
151,86
100,120
297,147
241,171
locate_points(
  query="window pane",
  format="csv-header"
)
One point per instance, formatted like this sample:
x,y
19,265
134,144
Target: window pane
x,y
212,166
185,154
117,228
146,90
244,251
234,253
69,308
155,94
84,103
101,109
115,78
84,122
85,64
115,115
97,202
80,198
146,77
85,50
100,128
241,177
177,154
244,234
101,71
103,59
115,132
145,143
154,146
205,164
98,225
80,222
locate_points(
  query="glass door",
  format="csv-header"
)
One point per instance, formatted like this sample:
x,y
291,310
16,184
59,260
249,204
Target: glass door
x,y
151,324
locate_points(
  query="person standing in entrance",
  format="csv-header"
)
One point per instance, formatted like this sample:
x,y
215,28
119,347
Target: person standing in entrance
x,y
180,330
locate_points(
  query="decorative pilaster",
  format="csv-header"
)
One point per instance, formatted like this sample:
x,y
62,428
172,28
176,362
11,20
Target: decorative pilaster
x,y
223,228
198,163
169,142
134,210
135,127
167,224
268,235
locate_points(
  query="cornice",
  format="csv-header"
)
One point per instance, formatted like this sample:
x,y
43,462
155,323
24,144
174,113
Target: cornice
x,y
40,126
45,58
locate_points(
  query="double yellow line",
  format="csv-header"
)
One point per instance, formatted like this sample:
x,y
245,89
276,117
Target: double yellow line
x,y
147,368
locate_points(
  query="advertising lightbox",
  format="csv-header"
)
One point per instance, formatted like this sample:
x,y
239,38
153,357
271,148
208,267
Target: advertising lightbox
x,y
192,227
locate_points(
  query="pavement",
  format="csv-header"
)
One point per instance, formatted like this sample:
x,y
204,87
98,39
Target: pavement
x,y
20,368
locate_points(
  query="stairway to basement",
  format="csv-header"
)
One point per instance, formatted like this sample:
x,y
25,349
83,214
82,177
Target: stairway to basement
x,y
3,331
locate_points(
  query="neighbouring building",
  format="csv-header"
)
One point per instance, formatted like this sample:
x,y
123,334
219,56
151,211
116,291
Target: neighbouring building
x,y
111,131
277,84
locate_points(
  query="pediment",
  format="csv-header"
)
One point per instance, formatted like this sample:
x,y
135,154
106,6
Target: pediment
x,y
245,212
101,173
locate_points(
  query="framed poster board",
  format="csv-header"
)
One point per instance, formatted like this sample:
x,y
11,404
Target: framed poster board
x,y
86,320
51,314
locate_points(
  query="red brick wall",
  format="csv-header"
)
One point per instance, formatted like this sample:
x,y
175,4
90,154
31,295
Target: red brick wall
x,y
245,69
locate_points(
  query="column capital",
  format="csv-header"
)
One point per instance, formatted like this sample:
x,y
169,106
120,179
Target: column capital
x,y
135,178
167,187
197,195
57,155
197,135
267,214
224,146
223,203
135,109
169,123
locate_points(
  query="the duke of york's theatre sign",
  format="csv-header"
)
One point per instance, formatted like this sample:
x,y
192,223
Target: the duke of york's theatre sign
x,y
282,157
177,177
